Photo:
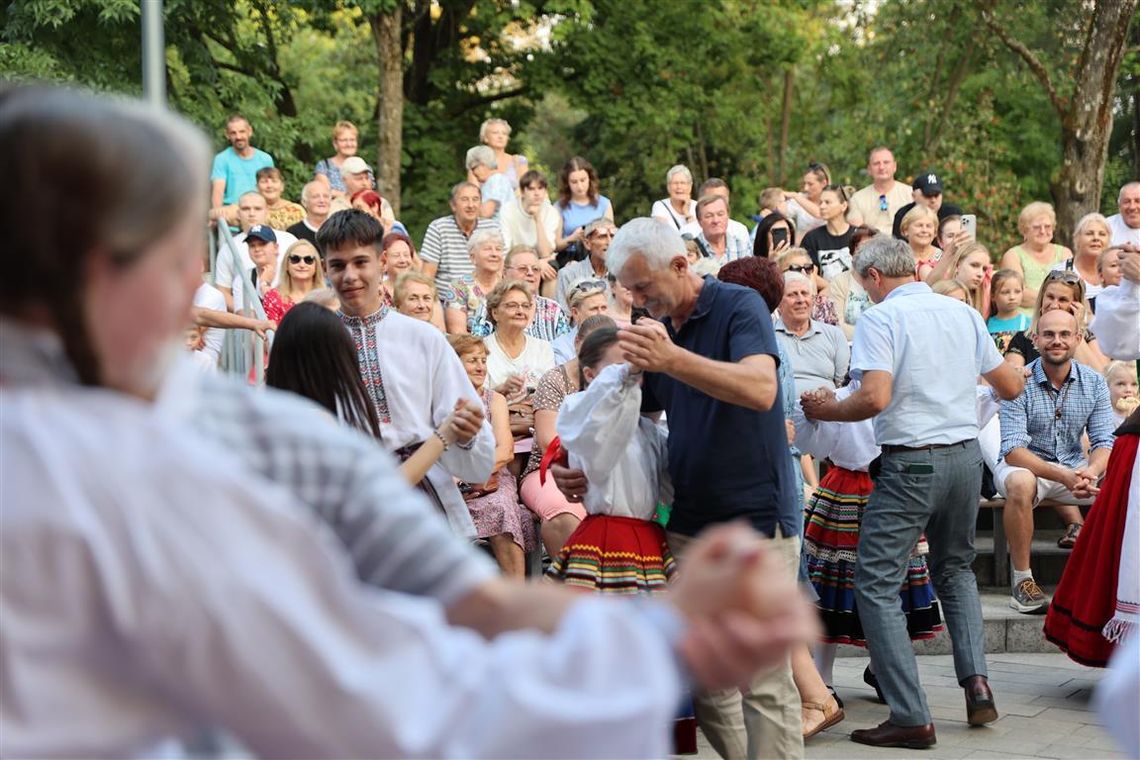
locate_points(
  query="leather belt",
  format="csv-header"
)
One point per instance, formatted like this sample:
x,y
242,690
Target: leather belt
x,y
891,448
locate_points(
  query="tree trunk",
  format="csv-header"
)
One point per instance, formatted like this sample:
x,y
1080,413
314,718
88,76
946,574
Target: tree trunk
x,y
1087,126
386,29
785,123
1086,115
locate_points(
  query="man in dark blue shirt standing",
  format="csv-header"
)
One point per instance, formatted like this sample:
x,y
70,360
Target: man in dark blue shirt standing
x,y
710,360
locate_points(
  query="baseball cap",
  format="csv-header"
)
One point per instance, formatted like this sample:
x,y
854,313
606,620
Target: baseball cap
x,y
354,165
262,232
929,184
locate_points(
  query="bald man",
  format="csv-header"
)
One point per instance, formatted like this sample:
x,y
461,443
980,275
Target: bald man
x,y
1042,455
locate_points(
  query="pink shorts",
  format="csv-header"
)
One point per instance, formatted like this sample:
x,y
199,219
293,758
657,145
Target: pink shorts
x,y
547,501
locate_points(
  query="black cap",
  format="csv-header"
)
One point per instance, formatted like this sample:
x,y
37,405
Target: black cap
x,y
262,232
929,184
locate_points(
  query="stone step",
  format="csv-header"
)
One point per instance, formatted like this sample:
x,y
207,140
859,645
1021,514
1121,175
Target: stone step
x,y
1046,559
1006,630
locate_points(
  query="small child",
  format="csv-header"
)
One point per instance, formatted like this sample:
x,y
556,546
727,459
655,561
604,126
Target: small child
x,y
1006,319
618,548
952,289
1122,388
196,343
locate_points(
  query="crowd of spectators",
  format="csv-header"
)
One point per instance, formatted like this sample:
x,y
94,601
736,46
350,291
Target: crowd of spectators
x,y
751,349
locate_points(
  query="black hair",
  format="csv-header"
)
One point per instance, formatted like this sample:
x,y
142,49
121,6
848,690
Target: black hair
x,y
350,227
314,356
593,348
760,247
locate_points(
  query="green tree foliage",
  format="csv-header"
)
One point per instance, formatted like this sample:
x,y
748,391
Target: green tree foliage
x,y
747,90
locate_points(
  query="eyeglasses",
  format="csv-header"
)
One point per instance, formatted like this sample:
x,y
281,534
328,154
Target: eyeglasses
x,y
587,285
883,205
535,269
297,259
802,268
516,305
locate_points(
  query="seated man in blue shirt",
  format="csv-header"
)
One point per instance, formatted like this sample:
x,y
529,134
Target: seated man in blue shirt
x,y
1042,454
710,363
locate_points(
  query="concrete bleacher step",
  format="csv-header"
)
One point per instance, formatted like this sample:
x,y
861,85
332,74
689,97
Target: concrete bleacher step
x,y
1006,630
1046,559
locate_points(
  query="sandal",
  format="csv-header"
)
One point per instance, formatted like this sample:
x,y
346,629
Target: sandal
x,y
1069,540
829,715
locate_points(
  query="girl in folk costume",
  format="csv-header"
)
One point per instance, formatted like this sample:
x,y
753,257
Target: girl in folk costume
x,y
832,516
619,548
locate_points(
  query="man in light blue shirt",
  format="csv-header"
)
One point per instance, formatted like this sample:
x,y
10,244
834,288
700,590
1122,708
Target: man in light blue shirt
x,y
234,171
918,356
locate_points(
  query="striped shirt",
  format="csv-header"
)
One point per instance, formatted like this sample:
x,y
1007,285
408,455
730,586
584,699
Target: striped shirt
x,y
445,245
1049,422
396,539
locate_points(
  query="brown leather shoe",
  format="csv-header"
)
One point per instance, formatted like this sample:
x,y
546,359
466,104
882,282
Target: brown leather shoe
x,y
980,706
887,734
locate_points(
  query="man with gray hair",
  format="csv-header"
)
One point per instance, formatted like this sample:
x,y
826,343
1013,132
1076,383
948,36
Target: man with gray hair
x,y
598,235
444,249
917,356
316,198
1125,226
494,187
709,356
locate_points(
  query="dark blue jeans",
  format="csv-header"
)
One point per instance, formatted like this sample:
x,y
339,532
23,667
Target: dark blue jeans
x,y
936,491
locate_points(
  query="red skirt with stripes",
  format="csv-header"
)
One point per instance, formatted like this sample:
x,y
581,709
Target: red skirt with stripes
x,y
615,555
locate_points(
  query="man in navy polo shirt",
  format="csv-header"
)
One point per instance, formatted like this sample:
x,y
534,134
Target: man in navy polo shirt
x,y
710,364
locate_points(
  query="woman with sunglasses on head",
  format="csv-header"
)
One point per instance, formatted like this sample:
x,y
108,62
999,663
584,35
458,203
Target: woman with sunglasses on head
x,y
586,299
830,245
303,274
798,260
1061,289
1036,254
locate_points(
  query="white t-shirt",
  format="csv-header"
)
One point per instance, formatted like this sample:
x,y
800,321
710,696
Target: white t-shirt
x,y
1121,232
536,359
226,277
663,209
209,297
518,227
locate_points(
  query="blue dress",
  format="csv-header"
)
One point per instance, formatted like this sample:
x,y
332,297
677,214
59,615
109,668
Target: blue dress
x,y
575,215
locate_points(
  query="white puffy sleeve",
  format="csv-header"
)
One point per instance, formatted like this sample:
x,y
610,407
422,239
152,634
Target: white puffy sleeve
x,y
1116,324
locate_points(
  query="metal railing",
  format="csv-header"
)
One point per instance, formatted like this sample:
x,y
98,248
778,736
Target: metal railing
x,y
243,352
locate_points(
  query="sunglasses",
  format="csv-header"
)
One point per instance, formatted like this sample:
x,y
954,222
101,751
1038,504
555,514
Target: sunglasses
x,y
588,285
1067,276
297,259
802,268
883,205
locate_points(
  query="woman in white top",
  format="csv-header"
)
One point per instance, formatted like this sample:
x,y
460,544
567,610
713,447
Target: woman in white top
x,y
678,208
515,360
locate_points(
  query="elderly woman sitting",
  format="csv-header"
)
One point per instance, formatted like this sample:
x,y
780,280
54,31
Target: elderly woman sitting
x,y
415,297
818,352
1037,253
495,134
919,227
494,505
1090,239
465,295
494,188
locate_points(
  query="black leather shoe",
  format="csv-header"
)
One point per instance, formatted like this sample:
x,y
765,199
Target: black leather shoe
x,y
887,734
870,680
980,706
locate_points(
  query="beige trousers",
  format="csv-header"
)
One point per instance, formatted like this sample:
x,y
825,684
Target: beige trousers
x,y
763,721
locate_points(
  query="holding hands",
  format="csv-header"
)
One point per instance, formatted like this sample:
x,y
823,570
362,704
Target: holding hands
x,y
647,346
463,424
819,404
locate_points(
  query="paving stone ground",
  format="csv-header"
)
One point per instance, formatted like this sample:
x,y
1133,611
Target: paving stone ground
x,y
1043,701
